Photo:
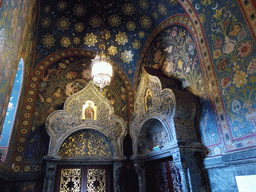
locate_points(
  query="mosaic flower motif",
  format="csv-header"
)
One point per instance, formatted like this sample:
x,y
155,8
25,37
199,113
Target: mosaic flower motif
x,y
225,82
79,27
136,44
90,39
240,78
47,9
216,54
79,10
86,74
130,25
218,13
112,50
128,9
63,23
95,21
234,30
62,65
70,89
143,4
218,43
244,49
252,66
229,45
121,38
127,56
46,22
141,34
145,21
162,9
65,42
48,40
71,75
114,20
222,65
76,40
62,5
155,15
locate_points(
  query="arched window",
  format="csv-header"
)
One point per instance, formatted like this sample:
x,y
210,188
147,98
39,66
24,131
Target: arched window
x,y
11,112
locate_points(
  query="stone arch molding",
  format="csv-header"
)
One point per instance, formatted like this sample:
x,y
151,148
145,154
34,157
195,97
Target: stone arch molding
x,y
163,108
62,123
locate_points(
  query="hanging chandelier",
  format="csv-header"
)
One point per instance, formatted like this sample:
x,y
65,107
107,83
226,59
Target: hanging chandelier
x,y
101,65
101,70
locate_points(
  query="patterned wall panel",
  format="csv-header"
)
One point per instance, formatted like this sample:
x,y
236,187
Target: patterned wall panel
x,y
231,43
77,25
229,73
17,33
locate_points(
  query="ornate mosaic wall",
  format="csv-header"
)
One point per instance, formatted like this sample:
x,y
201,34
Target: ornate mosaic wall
x,y
57,77
86,143
77,25
227,79
17,32
232,46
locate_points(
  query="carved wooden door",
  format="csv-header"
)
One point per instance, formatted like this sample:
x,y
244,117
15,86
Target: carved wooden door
x,y
83,179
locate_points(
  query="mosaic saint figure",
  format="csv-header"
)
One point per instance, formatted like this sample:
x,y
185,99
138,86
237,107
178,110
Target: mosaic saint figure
x,y
89,111
148,99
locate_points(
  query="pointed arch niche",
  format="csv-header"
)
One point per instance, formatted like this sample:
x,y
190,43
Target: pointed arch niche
x,y
85,132
11,112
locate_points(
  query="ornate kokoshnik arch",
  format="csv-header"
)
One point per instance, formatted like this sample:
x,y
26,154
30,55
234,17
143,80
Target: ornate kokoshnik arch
x,y
176,111
163,106
62,123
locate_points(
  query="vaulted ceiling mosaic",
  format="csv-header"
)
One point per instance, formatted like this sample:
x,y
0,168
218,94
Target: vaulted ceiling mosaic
x,y
127,24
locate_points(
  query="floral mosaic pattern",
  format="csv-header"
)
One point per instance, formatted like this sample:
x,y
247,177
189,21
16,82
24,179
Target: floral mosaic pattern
x,y
130,25
48,40
95,21
127,56
79,10
63,23
128,9
79,27
90,39
235,63
62,5
65,42
143,4
133,19
114,20
136,44
121,38
112,50
46,22
145,22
